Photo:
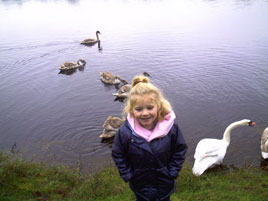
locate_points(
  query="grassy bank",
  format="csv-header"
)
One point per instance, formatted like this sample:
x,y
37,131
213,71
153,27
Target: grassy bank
x,y
21,180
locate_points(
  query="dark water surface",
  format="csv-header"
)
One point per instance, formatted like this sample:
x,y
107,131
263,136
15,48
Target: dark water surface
x,y
210,58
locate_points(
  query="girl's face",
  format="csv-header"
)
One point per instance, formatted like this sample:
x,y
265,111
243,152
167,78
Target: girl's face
x,y
145,111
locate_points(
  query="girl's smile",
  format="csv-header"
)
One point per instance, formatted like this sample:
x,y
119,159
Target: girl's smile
x,y
145,111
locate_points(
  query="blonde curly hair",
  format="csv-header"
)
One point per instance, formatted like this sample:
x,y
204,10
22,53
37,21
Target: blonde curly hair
x,y
141,86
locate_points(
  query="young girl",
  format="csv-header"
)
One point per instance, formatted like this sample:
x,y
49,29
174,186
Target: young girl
x,y
149,148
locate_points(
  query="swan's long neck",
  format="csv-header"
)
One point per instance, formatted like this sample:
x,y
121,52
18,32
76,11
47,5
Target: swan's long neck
x,y
97,35
227,132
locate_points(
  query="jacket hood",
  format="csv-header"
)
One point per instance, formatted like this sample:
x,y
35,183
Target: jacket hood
x,y
161,129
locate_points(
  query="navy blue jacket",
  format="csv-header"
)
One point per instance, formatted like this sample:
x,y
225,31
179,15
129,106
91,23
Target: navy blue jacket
x,y
149,167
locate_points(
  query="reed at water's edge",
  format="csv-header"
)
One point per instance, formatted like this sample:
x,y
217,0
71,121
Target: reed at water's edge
x,y
22,180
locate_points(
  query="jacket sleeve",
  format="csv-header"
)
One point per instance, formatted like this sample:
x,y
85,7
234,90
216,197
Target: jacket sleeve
x,y
178,151
119,154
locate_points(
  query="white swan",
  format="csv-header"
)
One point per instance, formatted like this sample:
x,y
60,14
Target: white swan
x,y
264,144
210,152
91,41
71,65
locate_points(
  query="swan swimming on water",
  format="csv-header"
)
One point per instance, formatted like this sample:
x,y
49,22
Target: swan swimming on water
x,y
71,65
210,152
91,41
123,91
111,126
109,78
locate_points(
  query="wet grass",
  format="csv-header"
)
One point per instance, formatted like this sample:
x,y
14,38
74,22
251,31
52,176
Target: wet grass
x,y
21,180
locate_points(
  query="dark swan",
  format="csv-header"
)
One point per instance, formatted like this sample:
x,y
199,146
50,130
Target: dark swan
x,y
91,41
111,126
109,78
71,65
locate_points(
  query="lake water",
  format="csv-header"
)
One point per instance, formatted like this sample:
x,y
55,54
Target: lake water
x,y
210,59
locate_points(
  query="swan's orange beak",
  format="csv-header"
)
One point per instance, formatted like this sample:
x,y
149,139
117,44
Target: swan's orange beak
x,y
252,123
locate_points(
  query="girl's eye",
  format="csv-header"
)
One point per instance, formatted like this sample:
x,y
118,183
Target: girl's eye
x,y
150,107
138,109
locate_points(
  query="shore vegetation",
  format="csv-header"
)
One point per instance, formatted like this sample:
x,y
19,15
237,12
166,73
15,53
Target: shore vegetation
x,y
28,181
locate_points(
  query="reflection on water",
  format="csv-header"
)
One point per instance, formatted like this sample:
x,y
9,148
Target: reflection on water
x,y
208,57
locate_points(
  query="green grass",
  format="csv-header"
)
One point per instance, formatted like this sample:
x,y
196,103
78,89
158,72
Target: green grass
x,y
21,180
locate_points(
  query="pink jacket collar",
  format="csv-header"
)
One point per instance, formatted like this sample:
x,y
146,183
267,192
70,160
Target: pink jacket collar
x,y
161,129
